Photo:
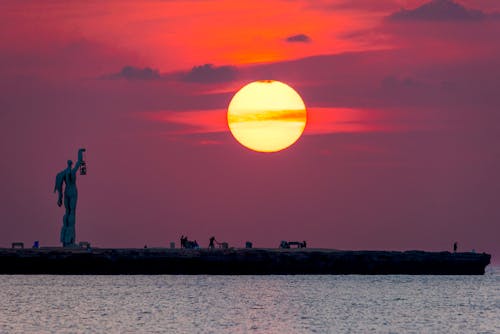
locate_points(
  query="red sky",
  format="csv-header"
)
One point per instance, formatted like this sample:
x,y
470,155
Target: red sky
x,y
401,150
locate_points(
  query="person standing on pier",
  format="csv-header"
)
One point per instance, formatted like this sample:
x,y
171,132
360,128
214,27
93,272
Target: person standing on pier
x,y
455,246
211,244
68,177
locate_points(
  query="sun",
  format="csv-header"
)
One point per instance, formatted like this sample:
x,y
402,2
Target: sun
x,y
266,116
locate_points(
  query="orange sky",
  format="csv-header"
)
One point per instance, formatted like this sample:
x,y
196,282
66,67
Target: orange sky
x,y
172,35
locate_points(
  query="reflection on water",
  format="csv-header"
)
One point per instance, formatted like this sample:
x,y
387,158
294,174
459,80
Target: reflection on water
x,y
250,304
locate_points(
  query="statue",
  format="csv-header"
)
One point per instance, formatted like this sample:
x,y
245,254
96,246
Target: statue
x,y
68,176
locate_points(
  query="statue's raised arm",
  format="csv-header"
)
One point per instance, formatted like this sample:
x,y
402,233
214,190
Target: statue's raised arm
x,y
79,161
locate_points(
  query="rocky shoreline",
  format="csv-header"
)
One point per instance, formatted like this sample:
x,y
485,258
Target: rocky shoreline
x,y
254,261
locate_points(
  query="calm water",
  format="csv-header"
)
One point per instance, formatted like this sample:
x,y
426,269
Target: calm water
x,y
250,304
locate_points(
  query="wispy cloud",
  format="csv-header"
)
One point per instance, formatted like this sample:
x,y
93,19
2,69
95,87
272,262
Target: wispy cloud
x,y
190,122
271,115
320,121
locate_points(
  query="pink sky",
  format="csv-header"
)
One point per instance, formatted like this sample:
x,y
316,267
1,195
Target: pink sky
x,y
401,151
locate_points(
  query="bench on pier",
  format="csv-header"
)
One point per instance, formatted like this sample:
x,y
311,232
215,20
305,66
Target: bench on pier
x,y
84,244
18,245
288,244
223,245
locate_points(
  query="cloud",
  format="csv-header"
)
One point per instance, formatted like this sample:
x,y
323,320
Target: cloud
x,y
438,10
209,74
300,38
204,74
136,73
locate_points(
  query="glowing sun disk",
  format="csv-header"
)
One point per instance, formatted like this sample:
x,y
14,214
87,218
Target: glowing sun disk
x,y
266,116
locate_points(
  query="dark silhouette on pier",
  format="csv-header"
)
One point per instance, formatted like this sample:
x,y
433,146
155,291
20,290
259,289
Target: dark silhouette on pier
x,y
287,244
185,243
68,178
211,243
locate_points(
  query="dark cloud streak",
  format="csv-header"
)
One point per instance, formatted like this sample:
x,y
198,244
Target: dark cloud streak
x,y
202,74
209,74
136,73
438,10
300,38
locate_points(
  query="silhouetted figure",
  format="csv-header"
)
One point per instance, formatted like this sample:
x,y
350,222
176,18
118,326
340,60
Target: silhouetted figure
x,y
68,177
195,245
211,244
455,246
304,244
183,242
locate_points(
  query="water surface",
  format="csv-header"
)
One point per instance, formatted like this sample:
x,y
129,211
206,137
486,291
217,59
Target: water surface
x,y
250,304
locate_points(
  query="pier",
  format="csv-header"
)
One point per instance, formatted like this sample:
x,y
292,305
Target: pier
x,y
237,261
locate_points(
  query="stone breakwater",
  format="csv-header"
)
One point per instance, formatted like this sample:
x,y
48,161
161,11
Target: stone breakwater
x,y
255,261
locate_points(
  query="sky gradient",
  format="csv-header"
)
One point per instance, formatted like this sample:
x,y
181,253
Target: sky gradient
x,y
401,150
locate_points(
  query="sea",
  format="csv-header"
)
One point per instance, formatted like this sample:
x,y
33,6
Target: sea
x,y
250,304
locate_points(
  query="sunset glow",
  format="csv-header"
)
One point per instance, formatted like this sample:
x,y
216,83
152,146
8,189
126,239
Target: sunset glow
x,y
399,140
